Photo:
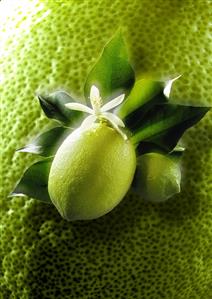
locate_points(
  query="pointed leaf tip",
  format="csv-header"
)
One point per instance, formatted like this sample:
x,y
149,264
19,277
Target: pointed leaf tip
x,y
34,182
112,73
47,143
54,107
152,120
30,148
13,194
168,86
165,124
145,94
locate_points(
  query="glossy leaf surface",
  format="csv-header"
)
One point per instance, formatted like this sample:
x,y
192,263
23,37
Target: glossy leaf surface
x,y
34,182
53,106
47,143
164,124
112,73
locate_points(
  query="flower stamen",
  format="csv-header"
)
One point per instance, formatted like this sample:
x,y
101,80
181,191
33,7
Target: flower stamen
x,y
95,99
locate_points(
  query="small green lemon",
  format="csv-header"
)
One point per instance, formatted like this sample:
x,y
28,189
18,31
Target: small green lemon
x,y
158,177
91,172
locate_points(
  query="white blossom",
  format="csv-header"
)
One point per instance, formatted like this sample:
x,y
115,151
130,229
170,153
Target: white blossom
x,y
98,111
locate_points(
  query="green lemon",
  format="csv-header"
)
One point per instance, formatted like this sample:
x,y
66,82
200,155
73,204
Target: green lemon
x,y
91,172
158,177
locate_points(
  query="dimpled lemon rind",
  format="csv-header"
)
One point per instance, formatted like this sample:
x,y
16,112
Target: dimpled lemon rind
x,y
88,164
139,250
158,177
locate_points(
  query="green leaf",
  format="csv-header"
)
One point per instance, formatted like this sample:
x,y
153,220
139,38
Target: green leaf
x,y
143,96
157,176
177,153
47,143
53,106
112,73
152,120
164,125
34,182
149,147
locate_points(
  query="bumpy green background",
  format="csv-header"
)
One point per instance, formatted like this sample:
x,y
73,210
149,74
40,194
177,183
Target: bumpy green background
x,y
139,250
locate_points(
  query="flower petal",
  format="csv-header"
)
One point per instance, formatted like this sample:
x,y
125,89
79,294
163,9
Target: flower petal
x,y
113,103
116,127
88,121
114,118
94,93
79,107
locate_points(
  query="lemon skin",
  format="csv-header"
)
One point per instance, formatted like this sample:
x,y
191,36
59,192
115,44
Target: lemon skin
x,y
91,172
158,177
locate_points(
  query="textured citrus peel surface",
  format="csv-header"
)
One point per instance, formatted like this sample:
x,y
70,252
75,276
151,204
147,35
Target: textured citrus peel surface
x,y
124,254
